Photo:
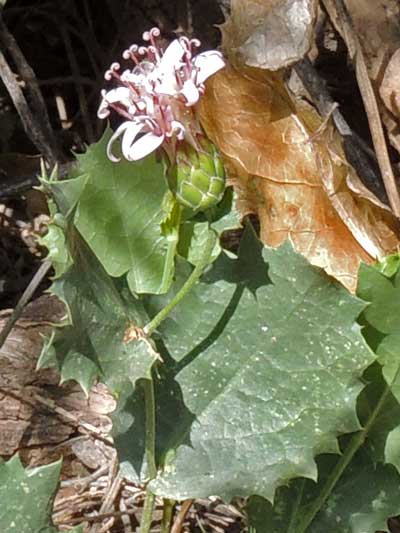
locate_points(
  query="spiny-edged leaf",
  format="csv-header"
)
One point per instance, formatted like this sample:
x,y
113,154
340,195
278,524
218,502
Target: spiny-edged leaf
x,y
383,293
27,496
382,319
95,343
361,502
56,243
66,193
379,413
382,323
265,354
119,215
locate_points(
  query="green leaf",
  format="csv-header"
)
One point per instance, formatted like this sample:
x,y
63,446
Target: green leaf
x,y
264,354
119,215
225,215
383,312
192,239
381,319
56,243
93,343
361,502
27,497
389,265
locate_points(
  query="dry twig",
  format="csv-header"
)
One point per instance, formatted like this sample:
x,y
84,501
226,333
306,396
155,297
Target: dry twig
x,y
36,120
26,296
179,520
341,20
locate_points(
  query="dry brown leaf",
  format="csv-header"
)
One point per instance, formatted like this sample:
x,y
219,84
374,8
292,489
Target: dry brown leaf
x,y
390,94
390,87
377,25
293,174
269,34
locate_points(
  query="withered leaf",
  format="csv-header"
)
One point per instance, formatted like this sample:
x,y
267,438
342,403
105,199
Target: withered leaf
x,y
270,35
292,173
390,86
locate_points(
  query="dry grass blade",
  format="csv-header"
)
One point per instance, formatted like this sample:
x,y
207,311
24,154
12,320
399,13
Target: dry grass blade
x,y
339,16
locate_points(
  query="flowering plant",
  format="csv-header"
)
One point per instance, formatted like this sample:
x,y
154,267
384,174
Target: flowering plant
x,y
157,96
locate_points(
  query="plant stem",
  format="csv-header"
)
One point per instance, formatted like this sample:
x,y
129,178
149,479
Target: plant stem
x,y
355,444
167,515
186,287
150,439
172,240
147,516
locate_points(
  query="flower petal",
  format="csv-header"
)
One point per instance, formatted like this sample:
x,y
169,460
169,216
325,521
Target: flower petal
x,y
190,92
121,94
129,137
144,146
117,133
208,64
178,129
171,58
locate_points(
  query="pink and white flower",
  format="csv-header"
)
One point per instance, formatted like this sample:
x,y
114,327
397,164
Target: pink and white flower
x,y
157,96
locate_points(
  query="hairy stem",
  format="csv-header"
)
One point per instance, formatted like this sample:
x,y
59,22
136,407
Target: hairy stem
x,y
186,287
150,439
147,516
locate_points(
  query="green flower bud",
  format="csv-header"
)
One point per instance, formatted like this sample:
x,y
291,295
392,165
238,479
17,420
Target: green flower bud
x,y
198,178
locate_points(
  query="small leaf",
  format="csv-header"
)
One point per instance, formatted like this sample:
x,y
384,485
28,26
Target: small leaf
x,y
392,448
27,496
226,215
193,237
264,354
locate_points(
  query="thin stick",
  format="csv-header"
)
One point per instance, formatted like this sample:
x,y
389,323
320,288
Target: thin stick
x,y
340,18
177,527
41,117
31,127
27,295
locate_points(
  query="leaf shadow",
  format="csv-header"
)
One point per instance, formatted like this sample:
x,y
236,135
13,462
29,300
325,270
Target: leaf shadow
x,y
215,333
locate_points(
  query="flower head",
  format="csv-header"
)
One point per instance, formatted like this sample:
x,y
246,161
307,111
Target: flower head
x,y
156,96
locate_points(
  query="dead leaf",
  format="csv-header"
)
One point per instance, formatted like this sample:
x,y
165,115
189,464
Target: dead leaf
x,y
293,176
390,94
269,34
390,86
378,29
